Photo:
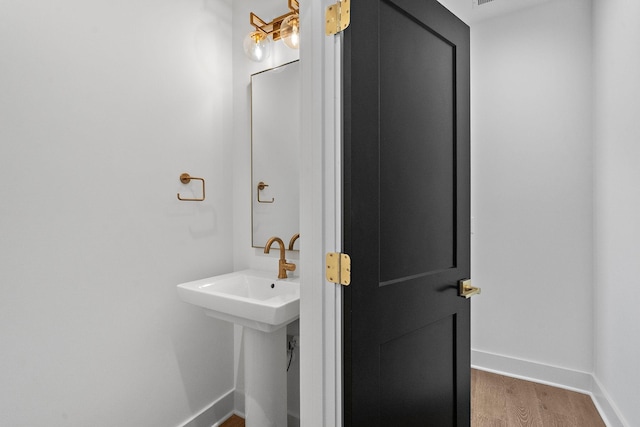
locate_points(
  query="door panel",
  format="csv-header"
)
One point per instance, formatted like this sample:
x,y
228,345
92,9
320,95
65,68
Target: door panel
x,y
406,215
417,386
417,148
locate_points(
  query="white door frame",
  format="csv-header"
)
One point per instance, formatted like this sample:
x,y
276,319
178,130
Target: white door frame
x,y
320,210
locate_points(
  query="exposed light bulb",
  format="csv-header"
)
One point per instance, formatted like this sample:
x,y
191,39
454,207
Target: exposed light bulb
x,y
257,46
290,31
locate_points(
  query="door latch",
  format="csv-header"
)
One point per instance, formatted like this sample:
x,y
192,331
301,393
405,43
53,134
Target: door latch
x,y
466,290
338,268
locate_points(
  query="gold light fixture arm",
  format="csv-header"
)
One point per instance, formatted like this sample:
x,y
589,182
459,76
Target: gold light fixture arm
x,y
272,28
185,178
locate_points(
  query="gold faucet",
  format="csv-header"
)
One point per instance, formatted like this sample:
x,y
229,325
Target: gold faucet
x,y
283,265
293,240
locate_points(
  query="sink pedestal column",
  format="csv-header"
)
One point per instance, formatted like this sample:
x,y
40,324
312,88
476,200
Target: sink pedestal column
x,y
265,377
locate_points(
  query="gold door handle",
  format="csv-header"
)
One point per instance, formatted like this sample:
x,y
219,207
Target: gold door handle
x,y
466,290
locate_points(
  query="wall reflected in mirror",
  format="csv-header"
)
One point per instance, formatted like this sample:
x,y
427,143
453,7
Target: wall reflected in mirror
x,y
275,154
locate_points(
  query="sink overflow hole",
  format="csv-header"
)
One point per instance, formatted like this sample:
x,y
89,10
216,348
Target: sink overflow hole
x,y
273,285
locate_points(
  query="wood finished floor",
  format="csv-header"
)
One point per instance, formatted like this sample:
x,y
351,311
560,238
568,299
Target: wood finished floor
x,y
234,421
498,401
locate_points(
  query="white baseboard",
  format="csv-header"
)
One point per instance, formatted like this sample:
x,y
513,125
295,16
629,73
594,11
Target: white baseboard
x,y
607,408
582,382
293,420
214,414
238,402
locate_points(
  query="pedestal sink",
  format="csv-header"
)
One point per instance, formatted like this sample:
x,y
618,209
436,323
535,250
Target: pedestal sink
x,y
264,305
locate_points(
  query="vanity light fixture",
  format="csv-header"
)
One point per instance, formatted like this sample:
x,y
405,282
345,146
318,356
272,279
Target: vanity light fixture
x,y
257,45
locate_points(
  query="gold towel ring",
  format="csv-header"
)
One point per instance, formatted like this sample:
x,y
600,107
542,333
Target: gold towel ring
x,y
185,178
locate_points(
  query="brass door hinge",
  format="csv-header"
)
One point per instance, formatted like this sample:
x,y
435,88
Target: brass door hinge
x,y
337,17
338,268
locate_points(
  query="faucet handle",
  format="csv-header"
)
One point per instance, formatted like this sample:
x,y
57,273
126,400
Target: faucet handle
x,y
283,267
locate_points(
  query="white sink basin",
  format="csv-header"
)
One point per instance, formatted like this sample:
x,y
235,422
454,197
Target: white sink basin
x,y
251,298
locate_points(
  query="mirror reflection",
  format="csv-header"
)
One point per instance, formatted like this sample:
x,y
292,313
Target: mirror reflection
x,y
275,153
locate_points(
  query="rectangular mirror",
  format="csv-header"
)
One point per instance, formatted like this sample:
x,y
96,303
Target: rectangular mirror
x,y
275,153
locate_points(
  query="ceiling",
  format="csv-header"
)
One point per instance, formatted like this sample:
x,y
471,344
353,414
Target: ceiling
x,y
470,13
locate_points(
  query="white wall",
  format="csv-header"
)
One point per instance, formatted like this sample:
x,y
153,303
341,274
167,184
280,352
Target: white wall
x,y
102,105
532,185
617,197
